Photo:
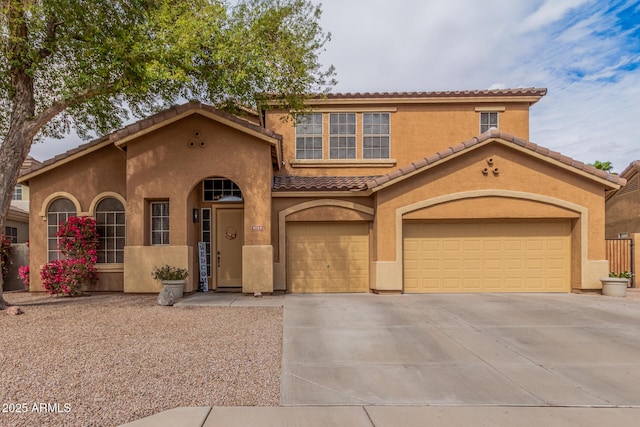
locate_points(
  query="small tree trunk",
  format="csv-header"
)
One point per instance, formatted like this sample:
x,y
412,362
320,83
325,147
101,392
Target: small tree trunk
x,y
17,142
3,303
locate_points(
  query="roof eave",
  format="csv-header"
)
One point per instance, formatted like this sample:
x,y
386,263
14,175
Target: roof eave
x,y
451,153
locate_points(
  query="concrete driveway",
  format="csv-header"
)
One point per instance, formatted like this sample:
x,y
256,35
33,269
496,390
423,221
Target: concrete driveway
x,y
469,349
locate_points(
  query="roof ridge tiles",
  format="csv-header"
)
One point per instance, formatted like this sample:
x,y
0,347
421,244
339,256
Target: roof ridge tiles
x,y
527,91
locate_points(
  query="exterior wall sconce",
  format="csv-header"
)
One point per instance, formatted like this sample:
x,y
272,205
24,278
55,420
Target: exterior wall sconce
x,y
195,215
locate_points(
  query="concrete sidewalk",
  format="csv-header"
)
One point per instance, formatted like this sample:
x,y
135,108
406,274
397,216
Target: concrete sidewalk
x,y
391,416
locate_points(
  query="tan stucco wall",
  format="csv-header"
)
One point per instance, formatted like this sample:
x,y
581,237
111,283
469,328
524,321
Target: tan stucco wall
x,y
162,166
534,179
140,261
257,269
80,180
491,207
416,131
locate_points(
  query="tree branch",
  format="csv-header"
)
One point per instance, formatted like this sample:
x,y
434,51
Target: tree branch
x,y
50,38
56,108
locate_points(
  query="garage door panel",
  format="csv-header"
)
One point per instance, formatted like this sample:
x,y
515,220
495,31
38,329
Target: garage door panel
x,y
487,257
328,257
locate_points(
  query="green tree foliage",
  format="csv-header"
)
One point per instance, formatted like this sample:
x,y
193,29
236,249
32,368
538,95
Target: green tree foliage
x,y
86,64
604,166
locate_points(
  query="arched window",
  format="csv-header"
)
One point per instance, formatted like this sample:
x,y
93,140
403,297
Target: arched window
x,y
58,213
110,222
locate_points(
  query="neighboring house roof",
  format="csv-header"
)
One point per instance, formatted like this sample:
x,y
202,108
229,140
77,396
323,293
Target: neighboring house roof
x,y
121,137
632,169
627,174
21,204
28,164
374,183
17,214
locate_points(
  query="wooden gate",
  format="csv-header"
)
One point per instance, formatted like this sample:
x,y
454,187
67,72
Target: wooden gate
x,y
620,256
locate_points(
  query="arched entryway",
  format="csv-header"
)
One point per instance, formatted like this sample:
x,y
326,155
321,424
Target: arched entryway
x,y
221,232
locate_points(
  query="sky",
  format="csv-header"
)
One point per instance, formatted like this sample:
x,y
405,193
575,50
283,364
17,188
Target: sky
x,y
585,52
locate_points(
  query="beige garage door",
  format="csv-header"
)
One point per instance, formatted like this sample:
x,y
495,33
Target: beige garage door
x,y
487,257
328,257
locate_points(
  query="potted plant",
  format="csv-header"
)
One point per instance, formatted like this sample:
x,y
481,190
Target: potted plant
x,y
616,284
172,278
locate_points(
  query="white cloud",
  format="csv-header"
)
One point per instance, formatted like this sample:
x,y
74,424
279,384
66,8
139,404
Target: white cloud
x,y
550,12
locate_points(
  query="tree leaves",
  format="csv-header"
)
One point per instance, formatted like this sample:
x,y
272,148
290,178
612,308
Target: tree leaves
x,y
146,54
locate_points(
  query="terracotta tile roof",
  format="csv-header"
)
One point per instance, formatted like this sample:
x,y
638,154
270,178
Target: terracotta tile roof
x,y
529,91
633,167
147,122
421,163
320,183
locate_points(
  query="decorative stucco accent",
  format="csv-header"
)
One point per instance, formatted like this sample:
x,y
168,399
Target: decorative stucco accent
x,y
59,195
105,195
583,211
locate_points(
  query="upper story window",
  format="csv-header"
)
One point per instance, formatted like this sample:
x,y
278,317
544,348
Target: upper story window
x,y
59,212
488,120
17,192
350,136
160,223
342,136
309,136
375,135
110,224
221,190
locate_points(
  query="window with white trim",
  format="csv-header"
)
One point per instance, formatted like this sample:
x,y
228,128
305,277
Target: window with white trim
x,y
309,136
59,212
160,223
110,224
342,136
375,135
17,192
488,120
220,190
205,236
11,233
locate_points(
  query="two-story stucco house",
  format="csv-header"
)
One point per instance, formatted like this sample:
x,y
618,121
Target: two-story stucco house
x,y
393,192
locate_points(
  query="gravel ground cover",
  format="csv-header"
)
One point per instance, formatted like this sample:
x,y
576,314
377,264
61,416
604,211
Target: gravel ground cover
x,y
108,359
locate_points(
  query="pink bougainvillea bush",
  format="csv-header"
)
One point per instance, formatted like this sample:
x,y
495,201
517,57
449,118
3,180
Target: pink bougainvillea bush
x,y
79,244
23,274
